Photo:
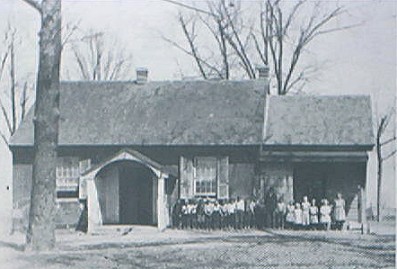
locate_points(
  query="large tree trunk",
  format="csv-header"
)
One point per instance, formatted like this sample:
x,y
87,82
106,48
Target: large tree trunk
x,y
41,229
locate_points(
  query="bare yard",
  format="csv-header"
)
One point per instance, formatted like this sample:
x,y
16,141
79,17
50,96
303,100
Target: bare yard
x,y
147,248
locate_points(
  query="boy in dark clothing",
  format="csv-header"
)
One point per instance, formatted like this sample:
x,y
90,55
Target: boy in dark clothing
x,y
200,214
177,215
82,224
270,208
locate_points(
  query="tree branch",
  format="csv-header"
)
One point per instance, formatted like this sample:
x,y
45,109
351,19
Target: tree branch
x,y
187,6
239,47
70,29
389,155
5,140
202,61
36,4
388,141
81,63
192,46
6,118
23,101
3,62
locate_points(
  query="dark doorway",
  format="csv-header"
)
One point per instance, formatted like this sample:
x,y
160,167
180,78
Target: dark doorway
x,y
136,192
310,179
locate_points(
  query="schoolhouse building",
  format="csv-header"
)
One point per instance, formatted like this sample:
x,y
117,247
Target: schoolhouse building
x,y
131,149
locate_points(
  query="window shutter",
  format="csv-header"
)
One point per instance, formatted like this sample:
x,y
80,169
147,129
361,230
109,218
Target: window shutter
x,y
223,178
186,180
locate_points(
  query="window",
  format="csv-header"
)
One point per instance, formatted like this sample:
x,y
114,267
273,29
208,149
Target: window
x,y
67,174
205,176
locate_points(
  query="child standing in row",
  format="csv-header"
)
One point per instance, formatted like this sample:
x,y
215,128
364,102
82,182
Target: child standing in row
x,y
325,215
313,210
305,212
280,213
298,216
289,218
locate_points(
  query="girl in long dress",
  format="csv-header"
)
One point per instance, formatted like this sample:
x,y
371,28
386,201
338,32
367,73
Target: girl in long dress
x,y
289,217
313,215
325,215
298,216
339,211
305,212
280,214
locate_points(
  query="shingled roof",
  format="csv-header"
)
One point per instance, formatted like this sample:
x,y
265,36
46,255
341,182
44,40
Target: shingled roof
x,y
157,113
319,121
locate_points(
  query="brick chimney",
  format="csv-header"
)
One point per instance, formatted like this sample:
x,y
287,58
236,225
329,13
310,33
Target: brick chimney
x,y
262,72
141,75
263,75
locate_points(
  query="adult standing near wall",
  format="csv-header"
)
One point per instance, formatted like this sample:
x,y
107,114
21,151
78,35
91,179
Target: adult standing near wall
x,y
270,207
339,211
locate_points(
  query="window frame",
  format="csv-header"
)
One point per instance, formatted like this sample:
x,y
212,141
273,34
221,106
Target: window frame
x,y
214,183
67,170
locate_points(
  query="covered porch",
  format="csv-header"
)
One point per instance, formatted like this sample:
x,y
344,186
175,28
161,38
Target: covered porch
x,y
317,175
126,189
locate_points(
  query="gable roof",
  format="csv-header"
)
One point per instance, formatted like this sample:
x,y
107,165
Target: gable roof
x,y
319,121
129,154
156,113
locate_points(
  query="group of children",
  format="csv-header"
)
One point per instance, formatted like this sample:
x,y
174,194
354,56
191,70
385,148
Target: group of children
x,y
306,215
212,214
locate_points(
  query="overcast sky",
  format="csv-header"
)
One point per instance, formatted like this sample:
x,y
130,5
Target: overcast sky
x,y
360,60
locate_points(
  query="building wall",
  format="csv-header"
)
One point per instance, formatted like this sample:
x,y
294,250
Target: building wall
x,y
246,178
241,180
22,185
68,210
68,213
279,177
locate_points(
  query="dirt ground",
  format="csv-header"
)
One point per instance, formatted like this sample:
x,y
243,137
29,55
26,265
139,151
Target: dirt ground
x,y
145,247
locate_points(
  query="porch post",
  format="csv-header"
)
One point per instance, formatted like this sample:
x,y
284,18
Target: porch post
x,y
161,204
94,212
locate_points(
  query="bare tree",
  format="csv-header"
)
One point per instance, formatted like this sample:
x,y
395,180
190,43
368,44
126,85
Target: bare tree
x,y
381,157
273,41
41,228
12,112
97,59
227,53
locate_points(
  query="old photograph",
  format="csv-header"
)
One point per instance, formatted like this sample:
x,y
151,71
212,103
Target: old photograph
x,y
198,134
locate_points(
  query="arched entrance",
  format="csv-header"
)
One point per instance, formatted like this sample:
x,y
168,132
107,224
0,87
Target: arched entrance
x,y
110,182
137,197
127,193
